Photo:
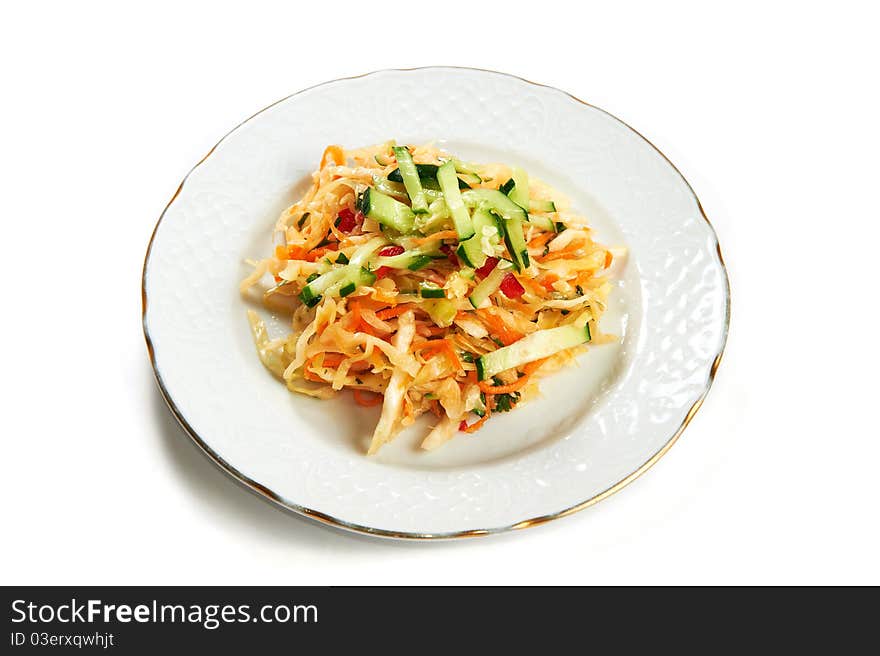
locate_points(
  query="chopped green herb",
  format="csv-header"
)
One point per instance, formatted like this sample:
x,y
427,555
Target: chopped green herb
x,y
467,357
580,290
505,402
358,381
498,341
299,224
560,227
564,312
342,259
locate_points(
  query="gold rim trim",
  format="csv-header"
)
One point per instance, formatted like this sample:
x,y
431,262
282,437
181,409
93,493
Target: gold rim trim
x,y
269,494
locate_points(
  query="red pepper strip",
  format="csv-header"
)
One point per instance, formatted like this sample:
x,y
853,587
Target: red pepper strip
x,y
486,269
348,220
450,253
510,286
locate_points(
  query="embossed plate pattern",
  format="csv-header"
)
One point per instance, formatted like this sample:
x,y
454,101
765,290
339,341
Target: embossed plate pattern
x,y
597,427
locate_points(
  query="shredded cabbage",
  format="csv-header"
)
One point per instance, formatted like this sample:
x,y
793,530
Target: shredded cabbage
x,y
375,330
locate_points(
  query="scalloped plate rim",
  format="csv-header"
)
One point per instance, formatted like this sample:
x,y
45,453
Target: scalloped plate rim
x,y
280,501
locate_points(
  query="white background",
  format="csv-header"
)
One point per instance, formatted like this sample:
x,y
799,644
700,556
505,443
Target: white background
x,y
770,111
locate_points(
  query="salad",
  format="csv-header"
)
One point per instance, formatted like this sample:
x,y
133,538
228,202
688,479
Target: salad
x,y
429,285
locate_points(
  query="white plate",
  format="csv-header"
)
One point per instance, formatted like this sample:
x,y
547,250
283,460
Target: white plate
x,y
598,425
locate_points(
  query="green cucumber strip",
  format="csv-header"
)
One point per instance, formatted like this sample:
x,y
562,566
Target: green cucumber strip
x,y
520,192
394,189
419,262
452,195
427,176
489,285
398,190
342,258
543,222
341,276
405,260
354,277
501,204
430,290
364,251
513,216
311,293
541,205
538,345
470,178
344,279
424,171
517,189
411,181
468,172
438,217
442,311
471,250
386,210
515,241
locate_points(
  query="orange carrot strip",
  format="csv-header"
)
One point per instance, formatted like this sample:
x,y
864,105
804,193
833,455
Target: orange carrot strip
x,y
391,312
567,252
295,252
497,325
528,370
609,258
534,285
453,356
366,401
355,312
541,240
430,346
357,323
282,253
332,359
477,425
548,279
308,375
335,155
383,299
317,253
